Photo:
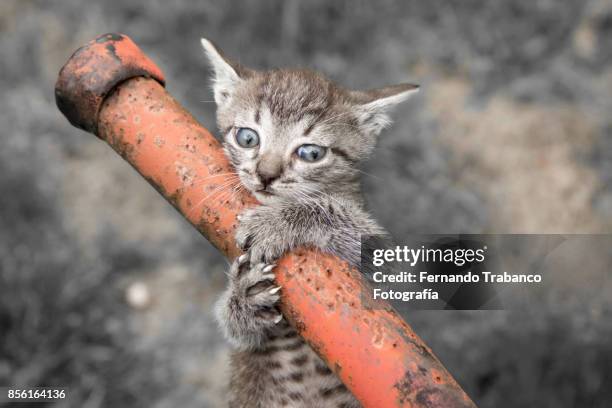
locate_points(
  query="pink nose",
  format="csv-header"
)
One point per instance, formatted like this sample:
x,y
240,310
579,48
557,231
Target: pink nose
x,y
267,178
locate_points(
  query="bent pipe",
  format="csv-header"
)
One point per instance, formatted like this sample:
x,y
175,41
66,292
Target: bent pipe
x,y
110,88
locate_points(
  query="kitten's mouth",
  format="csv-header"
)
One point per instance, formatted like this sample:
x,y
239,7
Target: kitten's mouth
x,y
264,192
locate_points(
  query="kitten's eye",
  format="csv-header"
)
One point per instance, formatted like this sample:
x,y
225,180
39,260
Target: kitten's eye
x,y
311,152
247,138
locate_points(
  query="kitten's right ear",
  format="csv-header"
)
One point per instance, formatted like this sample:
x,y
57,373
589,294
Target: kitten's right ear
x,y
227,73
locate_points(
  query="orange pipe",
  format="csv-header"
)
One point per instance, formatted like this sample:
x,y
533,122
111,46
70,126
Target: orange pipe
x,y
111,88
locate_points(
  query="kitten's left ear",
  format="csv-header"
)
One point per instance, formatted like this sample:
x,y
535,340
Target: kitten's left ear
x,y
372,107
227,73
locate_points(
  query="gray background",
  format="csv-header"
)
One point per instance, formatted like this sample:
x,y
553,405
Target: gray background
x,y
512,132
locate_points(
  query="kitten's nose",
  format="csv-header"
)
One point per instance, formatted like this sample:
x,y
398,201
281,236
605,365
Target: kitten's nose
x,y
268,170
267,179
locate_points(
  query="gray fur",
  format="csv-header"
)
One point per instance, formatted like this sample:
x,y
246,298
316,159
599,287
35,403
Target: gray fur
x,y
303,204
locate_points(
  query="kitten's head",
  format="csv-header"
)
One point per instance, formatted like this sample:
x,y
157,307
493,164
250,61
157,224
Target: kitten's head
x,y
293,133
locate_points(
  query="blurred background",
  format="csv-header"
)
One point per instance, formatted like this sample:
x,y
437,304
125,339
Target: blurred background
x,y
106,290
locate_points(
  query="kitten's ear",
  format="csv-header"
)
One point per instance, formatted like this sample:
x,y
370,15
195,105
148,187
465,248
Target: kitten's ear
x,y
227,73
372,107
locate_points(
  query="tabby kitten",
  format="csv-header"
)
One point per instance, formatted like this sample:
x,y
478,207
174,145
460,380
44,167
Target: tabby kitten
x,y
294,139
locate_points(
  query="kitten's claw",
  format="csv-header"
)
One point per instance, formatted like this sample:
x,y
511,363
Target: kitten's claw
x,y
244,230
268,268
243,258
274,290
278,319
243,241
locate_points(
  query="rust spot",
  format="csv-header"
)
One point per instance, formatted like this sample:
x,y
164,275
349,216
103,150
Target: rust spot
x,y
295,319
404,387
175,198
431,397
185,173
215,169
124,148
159,141
423,349
378,338
112,51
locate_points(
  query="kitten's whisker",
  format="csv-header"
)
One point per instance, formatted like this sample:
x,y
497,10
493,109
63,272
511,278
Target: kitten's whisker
x,y
201,180
225,197
229,179
220,187
238,189
234,191
368,174
228,192
217,175
217,188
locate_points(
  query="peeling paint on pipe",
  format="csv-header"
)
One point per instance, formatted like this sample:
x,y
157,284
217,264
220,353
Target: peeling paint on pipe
x,y
110,88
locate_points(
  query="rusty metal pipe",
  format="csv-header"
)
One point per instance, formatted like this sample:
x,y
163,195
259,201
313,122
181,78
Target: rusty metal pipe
x,y
110,88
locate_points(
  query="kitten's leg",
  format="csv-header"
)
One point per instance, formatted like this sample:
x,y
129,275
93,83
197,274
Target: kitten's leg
x,y
247,309
263,232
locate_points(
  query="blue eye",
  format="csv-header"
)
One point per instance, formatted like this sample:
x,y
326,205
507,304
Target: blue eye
x,y
247,138
311,152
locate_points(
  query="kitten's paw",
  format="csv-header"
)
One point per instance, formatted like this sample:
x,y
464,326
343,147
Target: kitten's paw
x,y
261,234
248,308
256,285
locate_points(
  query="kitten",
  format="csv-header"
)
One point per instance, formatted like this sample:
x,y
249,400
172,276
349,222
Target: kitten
x,y
294,139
